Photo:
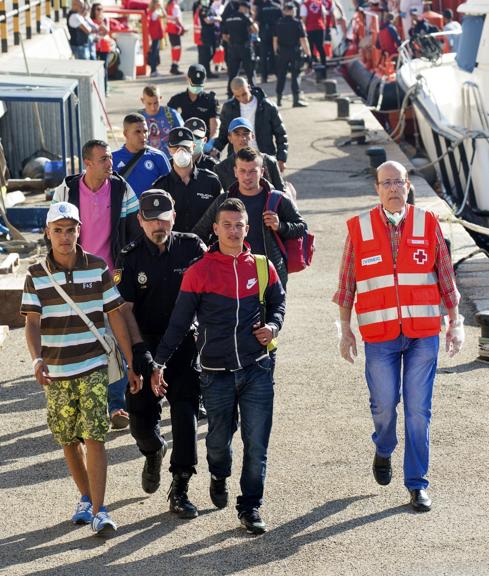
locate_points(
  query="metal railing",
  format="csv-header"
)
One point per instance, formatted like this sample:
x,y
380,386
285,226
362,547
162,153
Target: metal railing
x,y
16,18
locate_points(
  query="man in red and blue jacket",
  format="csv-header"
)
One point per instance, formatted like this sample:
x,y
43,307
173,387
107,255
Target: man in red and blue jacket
x,y
222,290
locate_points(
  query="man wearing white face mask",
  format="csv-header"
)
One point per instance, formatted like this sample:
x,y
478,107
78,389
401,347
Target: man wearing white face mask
x,y
195,102
193,189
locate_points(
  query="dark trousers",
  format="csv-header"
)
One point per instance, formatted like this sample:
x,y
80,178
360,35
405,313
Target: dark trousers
x,y
316,40
267,58
239,55
206,52
183,396
154,55
286,58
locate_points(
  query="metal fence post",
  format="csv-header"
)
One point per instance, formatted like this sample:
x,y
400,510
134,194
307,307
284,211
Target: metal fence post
x,y
16,20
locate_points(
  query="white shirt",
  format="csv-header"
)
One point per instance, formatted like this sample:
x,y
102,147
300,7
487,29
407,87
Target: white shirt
x,y
453,40
248,111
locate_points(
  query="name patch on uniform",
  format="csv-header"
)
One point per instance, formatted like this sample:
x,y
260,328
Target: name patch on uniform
x,y
371,260
417,242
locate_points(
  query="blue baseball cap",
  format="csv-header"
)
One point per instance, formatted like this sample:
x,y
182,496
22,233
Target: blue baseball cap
x,y
240,122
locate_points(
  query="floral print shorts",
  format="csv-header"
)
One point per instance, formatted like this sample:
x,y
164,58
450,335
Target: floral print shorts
x,y
77,408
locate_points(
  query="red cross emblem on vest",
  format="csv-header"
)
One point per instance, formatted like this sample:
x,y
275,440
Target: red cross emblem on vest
x,y
420,256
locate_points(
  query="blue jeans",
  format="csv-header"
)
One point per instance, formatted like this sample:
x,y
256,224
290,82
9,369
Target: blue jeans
x,y
249,393
383,373
116,395
81,52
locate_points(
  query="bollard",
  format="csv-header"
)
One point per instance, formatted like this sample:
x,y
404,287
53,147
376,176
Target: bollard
x,y
358,131
28,20
320,72
3,26
483,320
15,7
377,157
38,18
343,107
330,89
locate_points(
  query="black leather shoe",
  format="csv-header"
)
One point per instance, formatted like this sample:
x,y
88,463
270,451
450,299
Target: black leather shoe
x,y
420,501
382,470
300,104
219,492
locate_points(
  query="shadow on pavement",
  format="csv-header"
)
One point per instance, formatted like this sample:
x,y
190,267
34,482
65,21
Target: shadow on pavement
x,y
195,558
55,469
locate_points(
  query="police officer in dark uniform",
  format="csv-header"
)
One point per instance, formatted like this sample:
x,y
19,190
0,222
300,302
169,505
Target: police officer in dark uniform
x,y
192,189
268,13
237,29
195,101
201,160
149,272
288,40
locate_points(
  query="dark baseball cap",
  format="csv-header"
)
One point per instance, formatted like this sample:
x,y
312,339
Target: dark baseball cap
x,y
289,6
180,136
196,74
156,205
197,126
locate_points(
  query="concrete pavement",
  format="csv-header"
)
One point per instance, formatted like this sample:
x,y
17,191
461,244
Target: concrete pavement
x,y
325,513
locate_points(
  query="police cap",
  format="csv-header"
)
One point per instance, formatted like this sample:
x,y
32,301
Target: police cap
x,y
156,205
197,126
196,74
180,136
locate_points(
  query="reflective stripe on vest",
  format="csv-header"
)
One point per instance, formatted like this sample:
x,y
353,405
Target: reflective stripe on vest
x,y
419,220
377,316
403,279
420,311
366,226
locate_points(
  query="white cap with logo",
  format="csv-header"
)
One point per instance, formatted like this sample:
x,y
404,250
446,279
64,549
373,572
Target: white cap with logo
x,y
61,211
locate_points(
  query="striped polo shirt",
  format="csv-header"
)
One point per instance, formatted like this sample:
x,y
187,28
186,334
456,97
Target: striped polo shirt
x,y
67,346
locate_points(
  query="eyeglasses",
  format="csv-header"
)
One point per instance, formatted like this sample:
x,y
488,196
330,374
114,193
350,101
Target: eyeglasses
x,y
398,183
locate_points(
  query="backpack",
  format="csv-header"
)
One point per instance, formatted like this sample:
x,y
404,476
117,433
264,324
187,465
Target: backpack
x,y
263,277
297,252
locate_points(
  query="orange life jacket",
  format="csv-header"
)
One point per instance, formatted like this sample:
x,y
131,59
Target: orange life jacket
x,y
396,295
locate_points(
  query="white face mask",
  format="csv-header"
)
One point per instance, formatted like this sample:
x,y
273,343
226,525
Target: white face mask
x,y
394,217
196,89
182,158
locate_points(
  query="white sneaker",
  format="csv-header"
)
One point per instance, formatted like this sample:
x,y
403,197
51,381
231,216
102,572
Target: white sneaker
x,y
102,523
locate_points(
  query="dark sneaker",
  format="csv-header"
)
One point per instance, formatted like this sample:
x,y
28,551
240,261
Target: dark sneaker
x,y
252,522
218,491
151,475
177,495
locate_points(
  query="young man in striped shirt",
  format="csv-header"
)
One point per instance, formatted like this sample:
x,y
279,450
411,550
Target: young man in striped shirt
x,y
68,360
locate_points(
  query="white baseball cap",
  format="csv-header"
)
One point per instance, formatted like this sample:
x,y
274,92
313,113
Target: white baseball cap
x,y
61,211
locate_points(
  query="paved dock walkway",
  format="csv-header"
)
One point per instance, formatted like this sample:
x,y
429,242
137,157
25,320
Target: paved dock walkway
x,y
325,513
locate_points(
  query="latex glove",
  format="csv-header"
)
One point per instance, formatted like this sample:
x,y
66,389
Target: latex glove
x,y
142,360
208,146
455,335
348,342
